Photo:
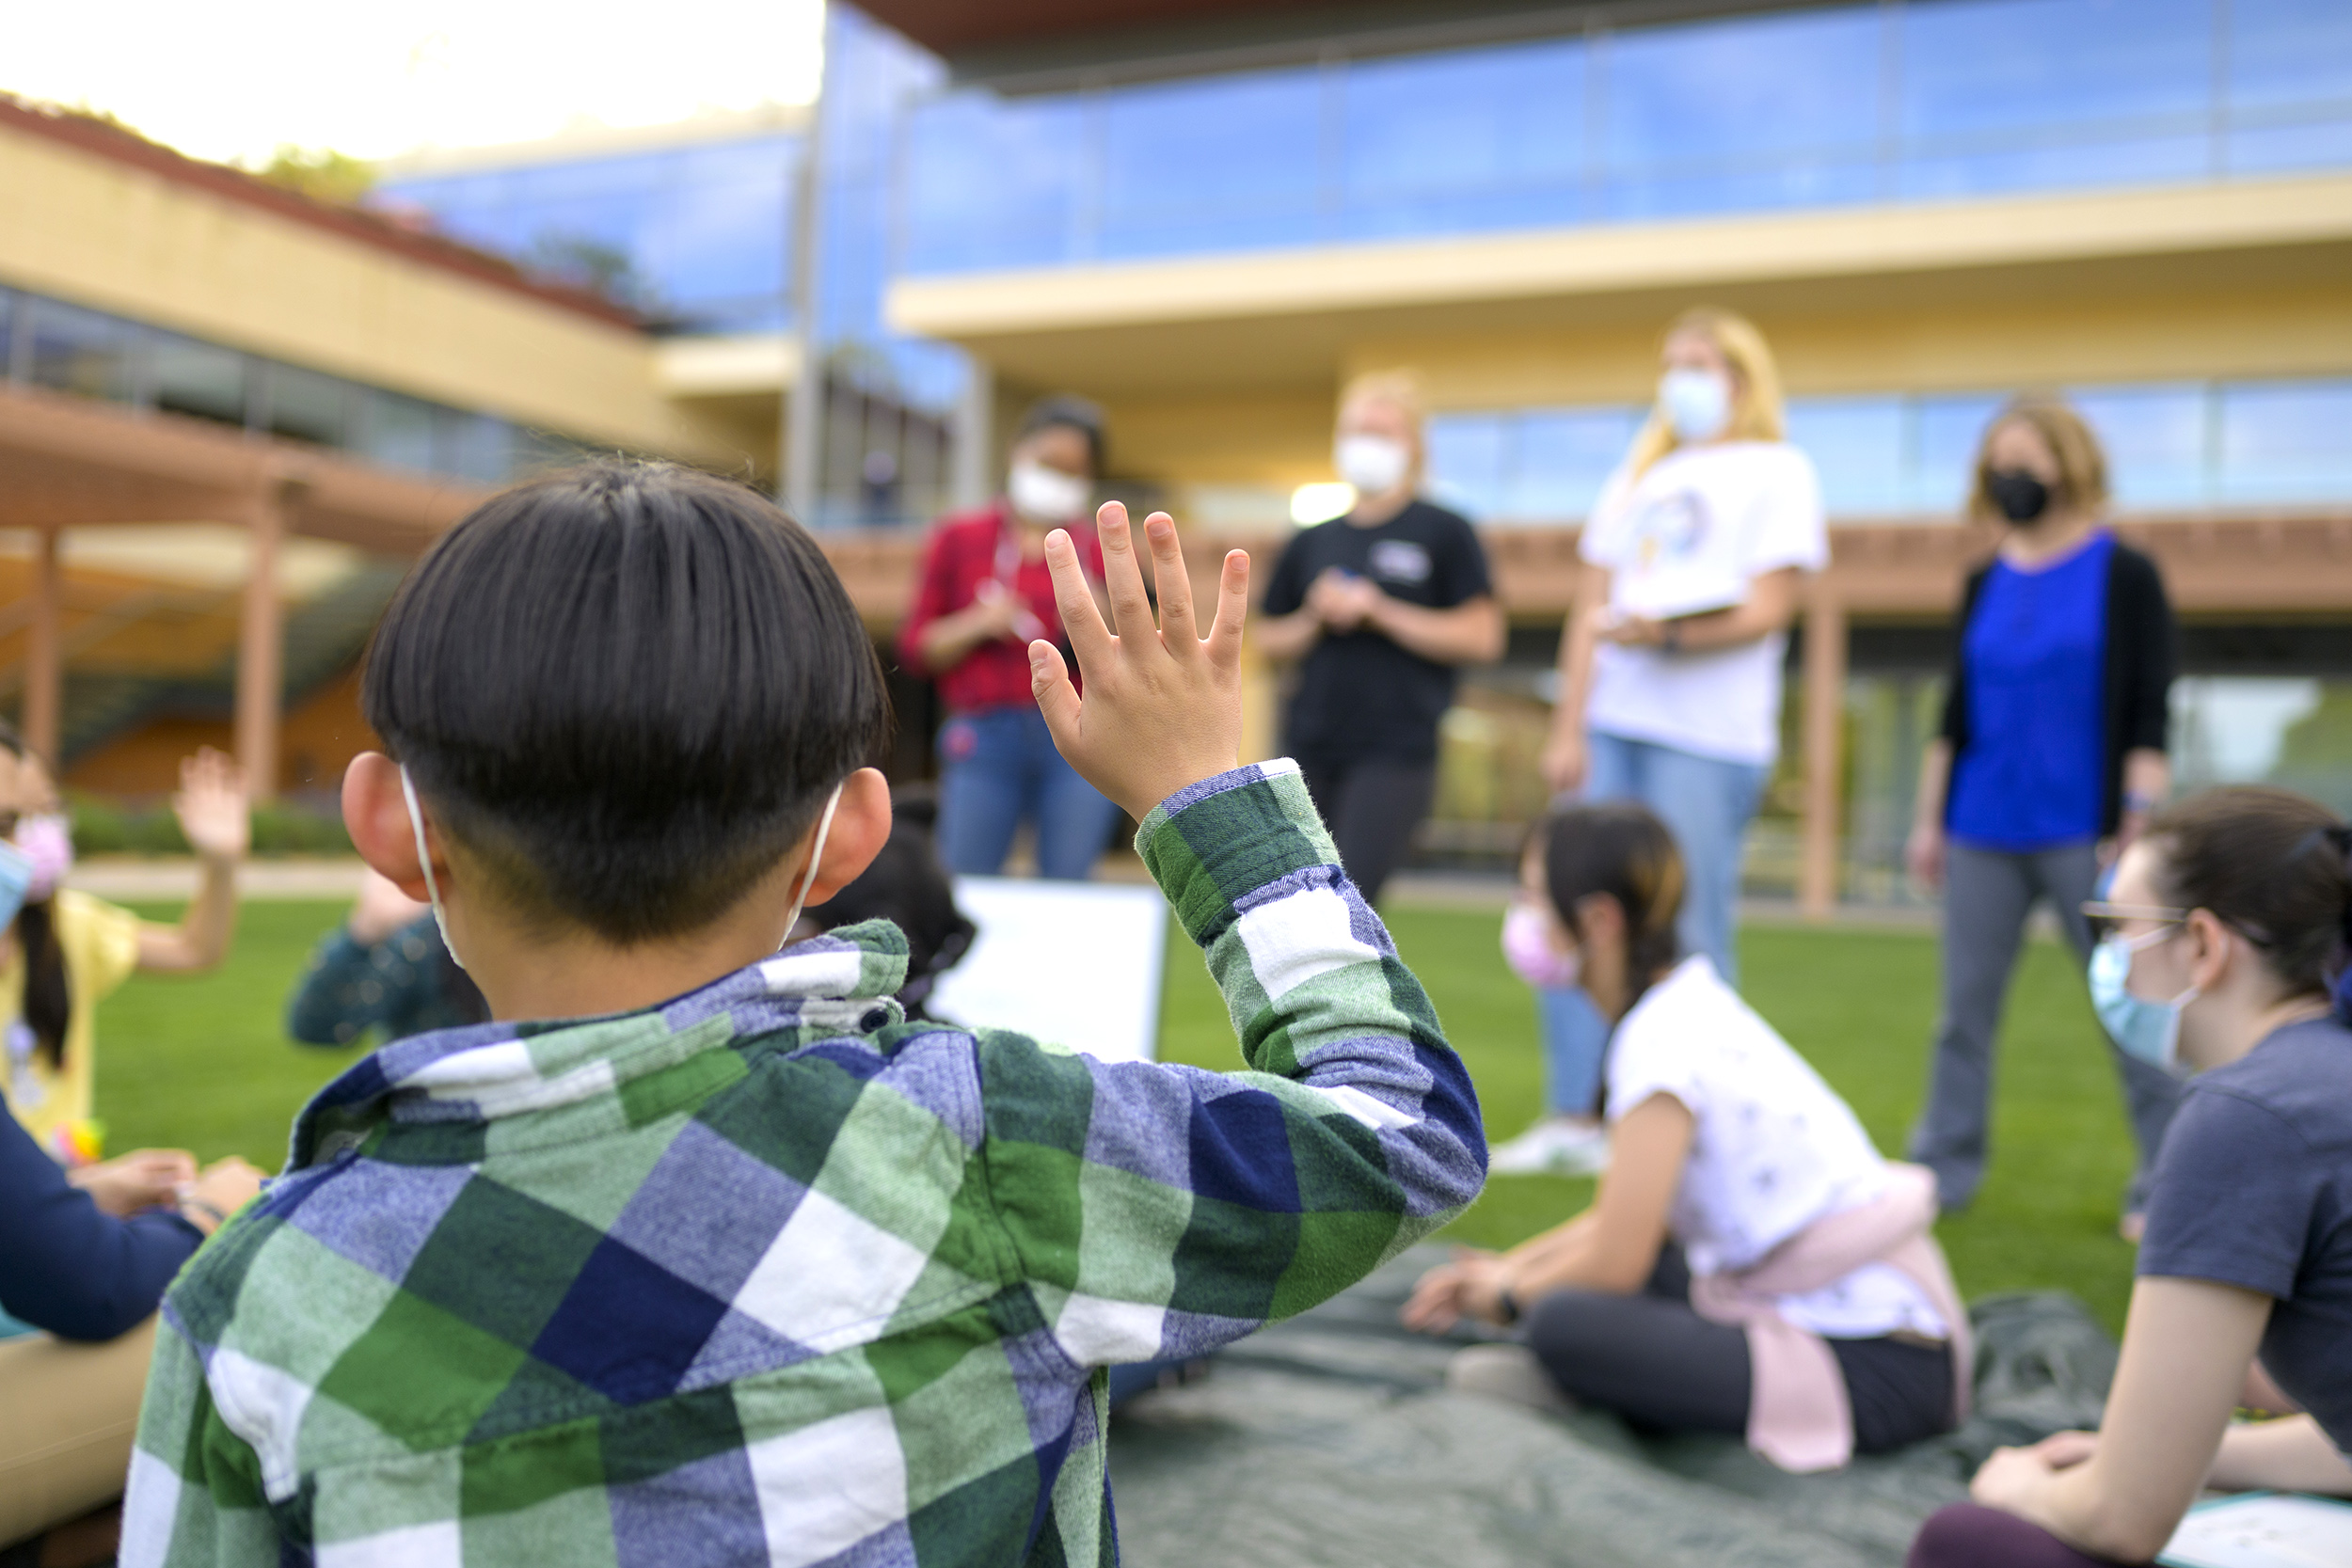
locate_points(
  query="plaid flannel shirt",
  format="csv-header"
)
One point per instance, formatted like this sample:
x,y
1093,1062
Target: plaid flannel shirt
x,y
768,1274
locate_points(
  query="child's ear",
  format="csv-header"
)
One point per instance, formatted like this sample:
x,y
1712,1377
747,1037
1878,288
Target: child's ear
x,y
375,813
861,825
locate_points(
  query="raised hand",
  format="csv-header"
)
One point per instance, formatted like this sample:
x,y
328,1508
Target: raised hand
x,y
1162,707
211,806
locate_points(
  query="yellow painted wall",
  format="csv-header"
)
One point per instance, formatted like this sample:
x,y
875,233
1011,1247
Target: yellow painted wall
x,y
117,238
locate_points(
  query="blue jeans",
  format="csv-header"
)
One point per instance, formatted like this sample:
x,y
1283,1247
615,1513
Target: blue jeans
x,y
1707,803
999,765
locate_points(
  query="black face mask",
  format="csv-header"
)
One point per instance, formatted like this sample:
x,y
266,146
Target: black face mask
x,y
2021,497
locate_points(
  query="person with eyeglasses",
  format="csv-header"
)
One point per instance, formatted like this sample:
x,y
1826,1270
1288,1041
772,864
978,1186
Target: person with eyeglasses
x,y
2221,958
2051,754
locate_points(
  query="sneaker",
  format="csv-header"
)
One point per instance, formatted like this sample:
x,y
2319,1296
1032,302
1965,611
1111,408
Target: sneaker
x,y
1509,1373
1556,1146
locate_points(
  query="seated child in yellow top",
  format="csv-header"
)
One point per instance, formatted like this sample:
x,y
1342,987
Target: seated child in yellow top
x,y
65,951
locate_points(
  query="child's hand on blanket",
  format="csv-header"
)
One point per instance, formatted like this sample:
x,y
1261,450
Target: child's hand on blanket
x,y
1162,706
1471,1286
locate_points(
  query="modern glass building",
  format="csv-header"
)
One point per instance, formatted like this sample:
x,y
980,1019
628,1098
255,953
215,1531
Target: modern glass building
x,y
63,347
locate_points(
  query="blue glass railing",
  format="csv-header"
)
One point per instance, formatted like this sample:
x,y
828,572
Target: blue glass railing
x,y
1903,101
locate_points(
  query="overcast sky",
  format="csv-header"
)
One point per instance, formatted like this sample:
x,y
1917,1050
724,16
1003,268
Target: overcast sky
x,y
236,79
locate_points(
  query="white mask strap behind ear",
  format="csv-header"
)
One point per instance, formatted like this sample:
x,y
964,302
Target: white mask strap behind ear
x,y
815,858
432,887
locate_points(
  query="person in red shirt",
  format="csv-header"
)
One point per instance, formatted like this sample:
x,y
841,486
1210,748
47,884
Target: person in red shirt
x,y
984,596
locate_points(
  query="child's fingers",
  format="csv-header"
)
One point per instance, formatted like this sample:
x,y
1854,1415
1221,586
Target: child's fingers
x,y
1170,577
1232,609
1090,639
1056,698
1122,576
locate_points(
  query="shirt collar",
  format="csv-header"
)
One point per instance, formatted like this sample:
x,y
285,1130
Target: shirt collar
x,y
828,987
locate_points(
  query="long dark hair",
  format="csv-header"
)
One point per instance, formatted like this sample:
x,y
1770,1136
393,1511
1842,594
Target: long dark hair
x,y
2270,865
1621,849
48,995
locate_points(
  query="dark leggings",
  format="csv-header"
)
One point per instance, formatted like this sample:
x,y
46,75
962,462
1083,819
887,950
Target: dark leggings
x,y
1967,1536
1372,805
1657,1363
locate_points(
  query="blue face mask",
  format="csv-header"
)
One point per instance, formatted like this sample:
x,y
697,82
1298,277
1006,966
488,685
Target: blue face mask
x,y
16,880
1696,403
2149,1031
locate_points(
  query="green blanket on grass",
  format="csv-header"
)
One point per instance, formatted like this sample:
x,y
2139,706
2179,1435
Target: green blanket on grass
x,y
1331,1440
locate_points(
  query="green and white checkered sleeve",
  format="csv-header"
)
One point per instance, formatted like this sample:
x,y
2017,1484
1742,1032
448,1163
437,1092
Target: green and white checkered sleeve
x,y
1161,1211
194,1495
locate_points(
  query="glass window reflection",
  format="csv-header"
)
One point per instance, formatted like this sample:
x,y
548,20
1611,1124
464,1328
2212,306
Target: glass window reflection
x,y
1762,111
199,379
2155,440
1911,455
1857,448
1475,139
1212,163
1907,99
84,352
2285,441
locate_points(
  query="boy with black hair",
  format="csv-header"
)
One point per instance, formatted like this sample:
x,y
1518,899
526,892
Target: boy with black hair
x,y
722,1261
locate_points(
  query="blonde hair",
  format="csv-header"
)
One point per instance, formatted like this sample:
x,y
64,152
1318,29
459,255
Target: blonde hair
x,y
1400,389
1757,413
2081,463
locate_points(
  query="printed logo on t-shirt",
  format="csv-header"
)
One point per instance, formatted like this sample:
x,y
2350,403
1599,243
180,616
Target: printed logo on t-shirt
x,y
1400,561
1671,527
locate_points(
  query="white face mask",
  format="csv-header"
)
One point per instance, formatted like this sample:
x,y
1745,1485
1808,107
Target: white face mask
x,y
816,856
1696,403
1044,494
1373,464
432,886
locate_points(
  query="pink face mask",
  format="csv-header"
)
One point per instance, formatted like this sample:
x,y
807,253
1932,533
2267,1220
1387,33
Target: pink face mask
x,y
47,841
1526,948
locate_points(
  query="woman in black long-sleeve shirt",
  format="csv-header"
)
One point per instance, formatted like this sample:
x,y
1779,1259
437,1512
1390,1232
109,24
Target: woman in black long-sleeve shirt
x,y
86,1256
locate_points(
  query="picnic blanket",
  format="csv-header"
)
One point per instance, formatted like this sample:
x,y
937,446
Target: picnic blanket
x,y
1331,1439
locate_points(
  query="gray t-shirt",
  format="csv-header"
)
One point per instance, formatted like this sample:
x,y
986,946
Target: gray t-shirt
x,y
2253,1188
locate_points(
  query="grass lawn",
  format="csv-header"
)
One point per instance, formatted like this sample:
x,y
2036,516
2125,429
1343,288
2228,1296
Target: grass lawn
x,y
204,1064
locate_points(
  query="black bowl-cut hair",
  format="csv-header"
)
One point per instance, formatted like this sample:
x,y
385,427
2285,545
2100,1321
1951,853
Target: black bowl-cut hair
x,y
626,690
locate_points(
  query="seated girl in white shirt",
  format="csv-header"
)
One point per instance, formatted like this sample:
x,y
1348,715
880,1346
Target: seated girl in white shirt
x,y
1751,1264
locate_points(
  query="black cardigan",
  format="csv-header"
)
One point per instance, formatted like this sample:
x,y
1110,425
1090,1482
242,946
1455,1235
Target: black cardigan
x,y
2142,657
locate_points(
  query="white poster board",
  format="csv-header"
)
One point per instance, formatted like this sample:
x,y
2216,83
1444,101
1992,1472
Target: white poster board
x,y
2263,1530
1068,963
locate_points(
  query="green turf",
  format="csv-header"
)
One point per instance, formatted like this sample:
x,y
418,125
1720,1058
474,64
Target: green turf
x,y
203,1063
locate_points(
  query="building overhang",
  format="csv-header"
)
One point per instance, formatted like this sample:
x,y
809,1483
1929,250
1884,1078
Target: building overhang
x,y
1293,317
68,462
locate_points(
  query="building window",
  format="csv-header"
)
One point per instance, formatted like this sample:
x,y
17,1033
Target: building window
x,y
1906,100
2169,448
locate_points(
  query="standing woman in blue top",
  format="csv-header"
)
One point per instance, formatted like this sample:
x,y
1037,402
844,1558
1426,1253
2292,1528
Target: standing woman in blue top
x,y
2051,757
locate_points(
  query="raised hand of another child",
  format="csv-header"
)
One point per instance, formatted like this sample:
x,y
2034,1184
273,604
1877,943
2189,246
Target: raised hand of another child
x,y
1162,707
211,806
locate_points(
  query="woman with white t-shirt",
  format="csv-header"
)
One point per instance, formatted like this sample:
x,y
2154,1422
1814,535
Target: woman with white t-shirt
x,y
1751,1264
1670,666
